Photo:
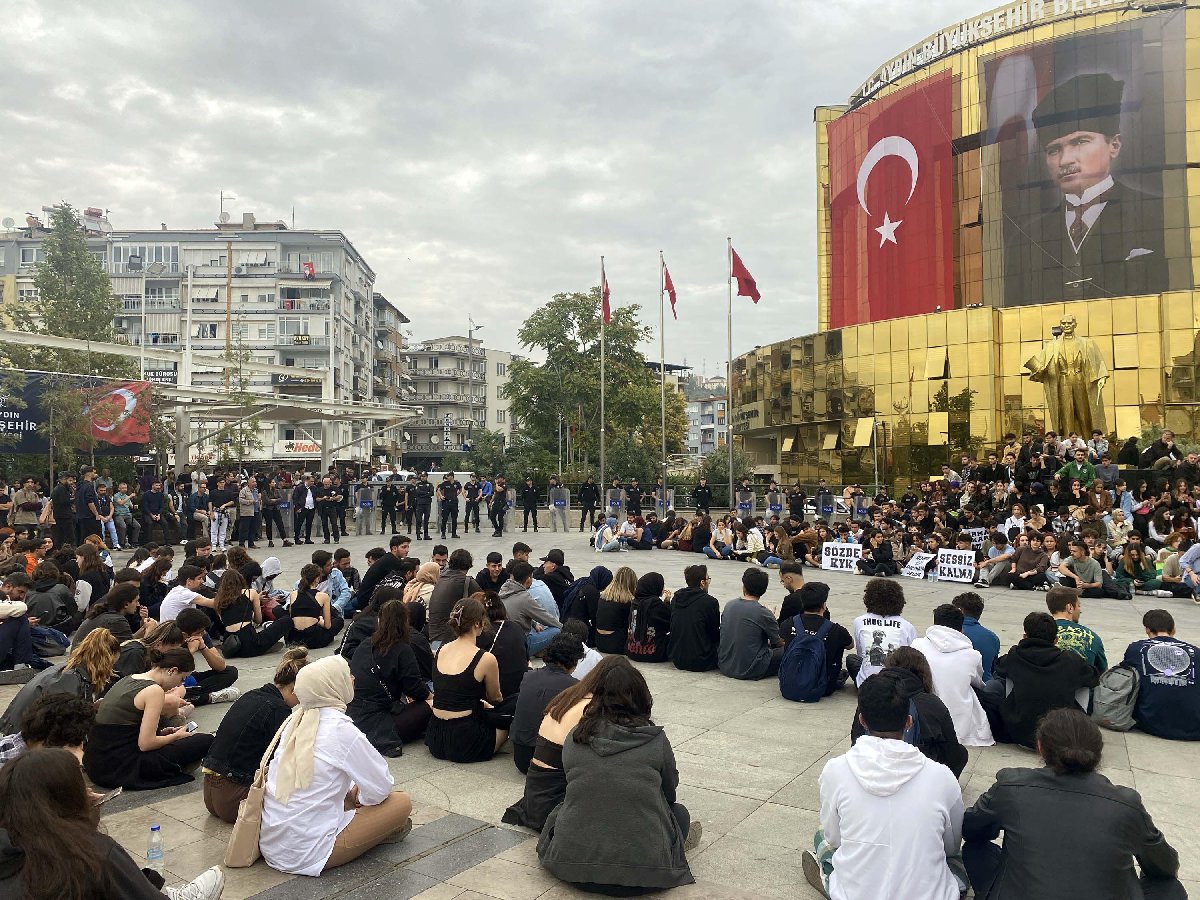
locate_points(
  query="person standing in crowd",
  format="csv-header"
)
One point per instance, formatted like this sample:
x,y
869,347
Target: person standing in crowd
x,y
304,510
329,796
27,508
277,505
529,504
422,500
619,829
589,502
558,514
328,498
447,494
62,507
472,493
87,516
498,506
244,734
248,508
223,504
390,498
1067,829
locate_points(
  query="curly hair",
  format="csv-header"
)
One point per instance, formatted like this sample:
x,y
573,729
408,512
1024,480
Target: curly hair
x,y
883,597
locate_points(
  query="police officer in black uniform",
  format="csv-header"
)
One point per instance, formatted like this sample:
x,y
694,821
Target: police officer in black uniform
x,y
702,494
498,507
633,498
448,492
472,491
390,497
327,498
796,501
529,503
589,499
422,498
409,494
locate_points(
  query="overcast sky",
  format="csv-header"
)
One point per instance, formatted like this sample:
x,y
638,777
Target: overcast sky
x,y
482,156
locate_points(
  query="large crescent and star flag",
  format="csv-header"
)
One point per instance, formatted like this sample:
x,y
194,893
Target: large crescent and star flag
x,y
891,206
120,412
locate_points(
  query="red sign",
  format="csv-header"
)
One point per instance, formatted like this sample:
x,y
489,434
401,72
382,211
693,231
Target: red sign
x,y
120,412
891,206
310,270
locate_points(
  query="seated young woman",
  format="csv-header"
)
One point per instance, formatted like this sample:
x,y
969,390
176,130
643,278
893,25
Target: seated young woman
x,y
127,748
466,683
86,674
584,597
362,626
649,620
538,687
612,612
115,611
329,796
244,734
214,684
619,828
418,617
392,703
315,623
55,849
506,641
239,610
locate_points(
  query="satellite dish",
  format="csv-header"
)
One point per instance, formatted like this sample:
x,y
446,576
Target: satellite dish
x,y
407,436
379,345
223,218
9,222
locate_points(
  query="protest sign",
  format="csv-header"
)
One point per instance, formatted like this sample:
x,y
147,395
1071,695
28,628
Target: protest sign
x,y
916,565
977,536
840,557
956,565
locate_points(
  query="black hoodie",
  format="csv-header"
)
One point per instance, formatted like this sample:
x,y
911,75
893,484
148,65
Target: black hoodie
x,y
939,741
1043,678
695,630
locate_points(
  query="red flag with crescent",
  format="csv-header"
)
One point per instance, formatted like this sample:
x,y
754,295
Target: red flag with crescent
x,y
119,412
669,288
605,305
891,206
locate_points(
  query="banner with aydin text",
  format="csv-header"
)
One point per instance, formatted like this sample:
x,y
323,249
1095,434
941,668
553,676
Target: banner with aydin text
x,y
118,412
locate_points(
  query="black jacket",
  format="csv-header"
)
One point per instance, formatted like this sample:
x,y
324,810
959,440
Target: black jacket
x,y
360,629
702,496
649,629
695,630
589,494
422,494
529,497
299,493
939,741
1068,836
559,581
538,688
380,683
245,732
1043,678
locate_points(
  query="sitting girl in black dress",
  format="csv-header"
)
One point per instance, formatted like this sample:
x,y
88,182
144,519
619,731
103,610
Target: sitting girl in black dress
x,y
315,623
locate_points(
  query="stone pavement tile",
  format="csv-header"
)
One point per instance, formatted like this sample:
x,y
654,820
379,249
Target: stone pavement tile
x,y
990,760
802,792
480,791
793,731
210,825
424,814
1151,754
784,826
190,860
127,800
183,808
1171,800
471,850
524,853
131,829
718,811
416,763
767,749
699,710
425,838
334,883
242,883
444,891
505,880
743,778
399,884
765,870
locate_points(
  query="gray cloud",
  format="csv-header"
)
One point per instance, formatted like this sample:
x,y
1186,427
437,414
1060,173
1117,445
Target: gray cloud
x,y
481,156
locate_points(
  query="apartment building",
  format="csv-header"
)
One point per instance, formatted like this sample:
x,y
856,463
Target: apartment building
x,y
707,424
298,298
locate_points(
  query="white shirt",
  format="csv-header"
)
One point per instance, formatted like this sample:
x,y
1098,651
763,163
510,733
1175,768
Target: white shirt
x,y
297,838
893,816
1091,214
177,600
957,667
877,636
308,499
591,658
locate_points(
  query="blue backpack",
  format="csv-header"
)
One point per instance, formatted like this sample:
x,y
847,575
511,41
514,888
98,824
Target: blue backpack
x,y
802,675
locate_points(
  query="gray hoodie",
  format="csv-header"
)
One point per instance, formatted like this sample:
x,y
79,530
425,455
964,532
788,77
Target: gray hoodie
x,y
523,609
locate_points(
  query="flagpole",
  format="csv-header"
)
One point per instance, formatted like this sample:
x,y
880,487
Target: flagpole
x,y
729,370
662,371
602,386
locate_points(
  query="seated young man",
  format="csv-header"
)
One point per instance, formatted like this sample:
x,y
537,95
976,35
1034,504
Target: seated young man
x,y
880,630
814,598
695,623
957,669
1082,571
982,639
1066,606
750,644
52,720
889,814
1033,678
1168,701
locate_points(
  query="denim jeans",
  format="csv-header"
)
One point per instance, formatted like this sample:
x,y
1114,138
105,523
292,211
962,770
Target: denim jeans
x,y
537,640
725,553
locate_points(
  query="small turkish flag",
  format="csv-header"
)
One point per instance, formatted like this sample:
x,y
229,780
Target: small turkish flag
x,y
605,309
669,287
746,285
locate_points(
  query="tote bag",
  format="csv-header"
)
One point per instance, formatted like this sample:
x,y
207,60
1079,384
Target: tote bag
x,y
242,851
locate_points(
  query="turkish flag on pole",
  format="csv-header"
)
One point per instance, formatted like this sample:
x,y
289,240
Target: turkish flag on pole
x,y
669,287
605,309
891,206
119,412
746,285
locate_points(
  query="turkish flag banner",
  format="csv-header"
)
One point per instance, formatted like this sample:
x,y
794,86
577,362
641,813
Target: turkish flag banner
x,y
891,206
119,412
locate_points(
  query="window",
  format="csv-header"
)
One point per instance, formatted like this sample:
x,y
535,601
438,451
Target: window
x,y
206,331
266,298
500,413
28,256
245,298
266,332
289,434
500,371
27,295
292,325
433,362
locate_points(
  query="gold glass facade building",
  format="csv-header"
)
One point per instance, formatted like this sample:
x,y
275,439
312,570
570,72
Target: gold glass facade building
x,y
948,258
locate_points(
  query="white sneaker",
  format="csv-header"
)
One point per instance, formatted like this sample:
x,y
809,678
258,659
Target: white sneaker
x,y
209,886
226,696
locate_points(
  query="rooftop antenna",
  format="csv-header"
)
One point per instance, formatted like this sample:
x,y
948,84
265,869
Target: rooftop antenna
x,y
224,197
293,218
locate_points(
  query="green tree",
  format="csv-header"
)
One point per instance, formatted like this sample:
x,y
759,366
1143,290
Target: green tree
x,y
485,457
566,331
241,435
715,468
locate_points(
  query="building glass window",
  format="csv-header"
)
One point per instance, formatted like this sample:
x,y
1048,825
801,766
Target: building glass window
x,y
500,368
500,413
28,256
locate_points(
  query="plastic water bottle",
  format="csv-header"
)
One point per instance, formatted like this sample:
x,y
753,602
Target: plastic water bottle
x,y
154,850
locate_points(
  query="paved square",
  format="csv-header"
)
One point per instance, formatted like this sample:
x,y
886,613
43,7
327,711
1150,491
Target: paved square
x,y
748,761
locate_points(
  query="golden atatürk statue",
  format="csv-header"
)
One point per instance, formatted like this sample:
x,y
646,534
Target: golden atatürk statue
x,y
1074,375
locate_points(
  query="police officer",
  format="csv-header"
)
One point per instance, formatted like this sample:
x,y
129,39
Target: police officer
x,y
633,498
422,499
448,492
589,499
472,491
409,495
529,503
796,501
702,494
558,514
390,497
498,506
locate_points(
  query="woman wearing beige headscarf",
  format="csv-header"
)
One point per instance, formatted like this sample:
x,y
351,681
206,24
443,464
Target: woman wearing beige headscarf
x,y
329,796
420,589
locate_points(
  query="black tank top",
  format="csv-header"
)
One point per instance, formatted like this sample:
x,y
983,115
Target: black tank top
x,y
242,610
306,605
545,750
458,693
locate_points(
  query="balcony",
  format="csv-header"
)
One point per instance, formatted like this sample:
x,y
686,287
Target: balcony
x,y
153,339
133,306
448,348
303,305
448,398
420,374
426,422
301,340
122,268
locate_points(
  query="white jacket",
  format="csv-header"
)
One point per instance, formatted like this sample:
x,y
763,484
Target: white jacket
x,y
956,667
893,816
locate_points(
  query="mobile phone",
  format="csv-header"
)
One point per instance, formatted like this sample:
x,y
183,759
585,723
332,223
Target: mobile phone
x,y
113,793
190,727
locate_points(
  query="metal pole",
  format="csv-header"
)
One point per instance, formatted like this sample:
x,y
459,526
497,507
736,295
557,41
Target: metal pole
x,y
470,375
142,363
662,371
602,386
875,452
560,462
729,368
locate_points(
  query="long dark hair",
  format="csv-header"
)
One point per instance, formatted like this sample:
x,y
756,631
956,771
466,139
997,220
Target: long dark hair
x,y
45,808
560,704
621,697
393,627
229,590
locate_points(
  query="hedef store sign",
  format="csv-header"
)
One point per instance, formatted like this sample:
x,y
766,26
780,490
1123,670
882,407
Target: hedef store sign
x,y
840,557
956,565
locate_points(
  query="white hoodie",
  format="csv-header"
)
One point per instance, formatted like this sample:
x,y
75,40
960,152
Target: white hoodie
x,y
893,816
957,667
